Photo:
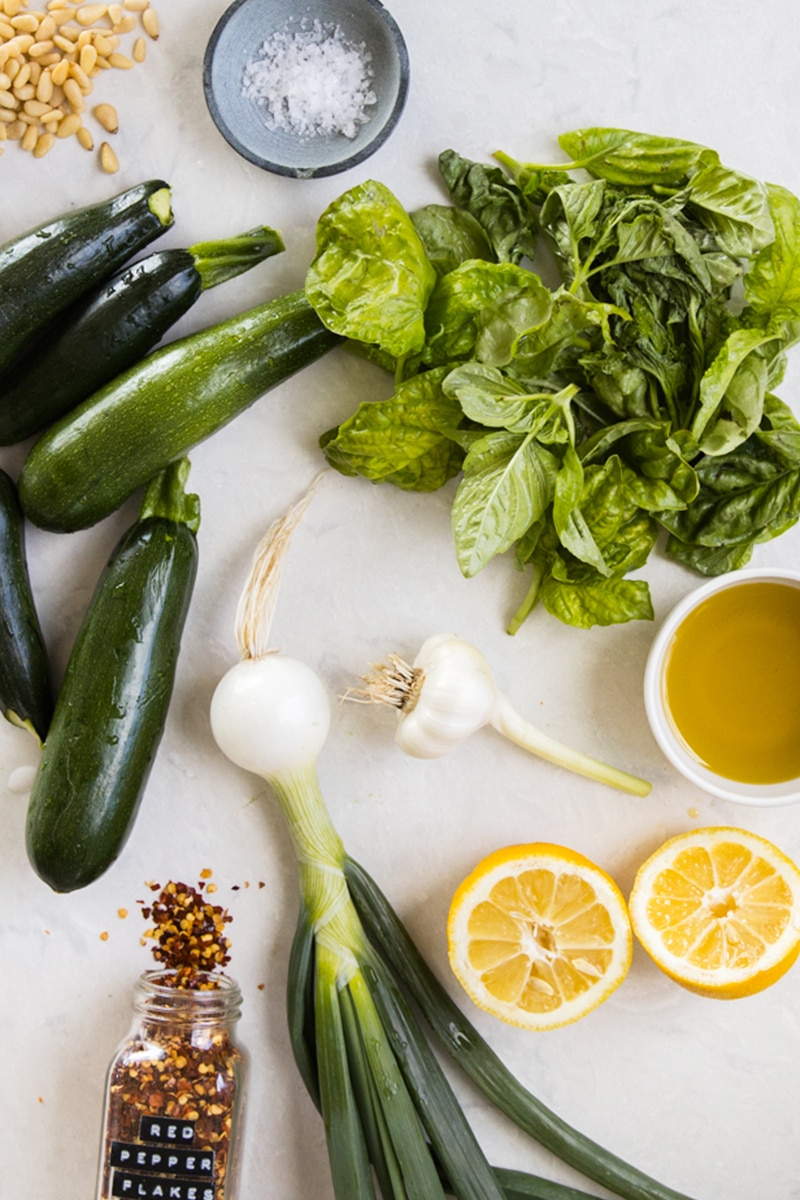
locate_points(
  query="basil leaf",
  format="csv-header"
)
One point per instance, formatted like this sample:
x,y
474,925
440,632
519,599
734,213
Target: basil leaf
x,y
570,523
407,440
746,498
450,236
490,398
772,284
597,602
734,207
735,384
508,483
571,326
638,159
495,202
370,278
780,432
463,303
570,216
624,533
658,476
713,560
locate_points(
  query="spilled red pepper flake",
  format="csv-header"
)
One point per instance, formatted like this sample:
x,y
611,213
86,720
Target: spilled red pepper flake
x,y
188,933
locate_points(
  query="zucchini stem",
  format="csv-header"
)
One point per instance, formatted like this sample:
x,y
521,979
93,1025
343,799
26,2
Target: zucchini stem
x,y
225,258
166,496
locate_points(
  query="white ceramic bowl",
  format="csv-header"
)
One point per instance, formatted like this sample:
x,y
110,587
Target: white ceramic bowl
x,y
363,25
663,729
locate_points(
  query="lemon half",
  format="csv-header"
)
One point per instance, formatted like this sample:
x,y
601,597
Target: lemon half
x,y
718,910
538,935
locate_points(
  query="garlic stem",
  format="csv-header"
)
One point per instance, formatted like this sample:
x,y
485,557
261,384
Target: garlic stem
x,y
507,721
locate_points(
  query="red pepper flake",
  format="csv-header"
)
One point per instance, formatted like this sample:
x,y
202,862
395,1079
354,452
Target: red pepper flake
x,y
189,933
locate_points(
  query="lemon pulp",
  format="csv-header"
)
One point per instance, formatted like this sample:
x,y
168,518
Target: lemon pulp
x,y
731,682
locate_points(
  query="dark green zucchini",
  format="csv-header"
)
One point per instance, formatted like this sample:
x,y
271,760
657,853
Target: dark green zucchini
x,y
115,325
25,690
112,705
90,461
47,269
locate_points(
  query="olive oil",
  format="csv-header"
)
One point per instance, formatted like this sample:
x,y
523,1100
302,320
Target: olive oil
x,y
731,682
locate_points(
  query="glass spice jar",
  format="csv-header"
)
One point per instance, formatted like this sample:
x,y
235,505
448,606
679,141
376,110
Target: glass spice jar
x,y
175,1094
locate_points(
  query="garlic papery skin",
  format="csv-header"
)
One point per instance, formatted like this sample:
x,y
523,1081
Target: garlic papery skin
x,y
451,697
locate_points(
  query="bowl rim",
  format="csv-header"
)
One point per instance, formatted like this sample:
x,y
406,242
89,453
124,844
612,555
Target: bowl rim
x,y
755,795
340,165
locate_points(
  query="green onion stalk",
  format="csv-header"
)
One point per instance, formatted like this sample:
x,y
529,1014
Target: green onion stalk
x,y
394,1126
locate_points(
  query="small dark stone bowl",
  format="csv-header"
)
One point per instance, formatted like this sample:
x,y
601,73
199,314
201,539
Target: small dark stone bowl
x,y
236,40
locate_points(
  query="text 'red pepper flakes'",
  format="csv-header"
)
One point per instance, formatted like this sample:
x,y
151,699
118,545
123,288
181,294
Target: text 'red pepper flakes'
x,y
175,1087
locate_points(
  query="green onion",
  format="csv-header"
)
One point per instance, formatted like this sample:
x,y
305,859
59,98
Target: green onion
x,y
479,1061
392,1119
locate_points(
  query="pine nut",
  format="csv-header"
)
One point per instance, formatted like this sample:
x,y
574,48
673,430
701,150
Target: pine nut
x,y
44,142
44,88
74,95
25,23
68,125
120,61
30,137
39,49
139,50
81,78
151,23
60,72
35,108
46,29
125,25
106,115
88,14
84,136
115,13
136,5
11,7
88,59
8,101
108,159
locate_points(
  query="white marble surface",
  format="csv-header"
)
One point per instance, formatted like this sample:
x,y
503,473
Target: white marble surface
x,y
702,1094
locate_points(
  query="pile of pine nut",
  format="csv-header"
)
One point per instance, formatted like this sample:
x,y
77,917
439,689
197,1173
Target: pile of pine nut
x,y
49,61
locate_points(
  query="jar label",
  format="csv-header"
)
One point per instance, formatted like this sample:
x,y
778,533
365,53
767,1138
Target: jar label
x,y
163,1164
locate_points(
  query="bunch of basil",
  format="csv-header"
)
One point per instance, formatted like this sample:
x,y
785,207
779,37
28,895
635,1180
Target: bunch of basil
x,y
634,395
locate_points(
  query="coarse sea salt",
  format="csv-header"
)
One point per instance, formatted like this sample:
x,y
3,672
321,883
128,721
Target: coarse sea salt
x,y
312,82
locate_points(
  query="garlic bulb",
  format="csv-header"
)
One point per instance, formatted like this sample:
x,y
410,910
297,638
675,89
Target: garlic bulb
x,y
449,693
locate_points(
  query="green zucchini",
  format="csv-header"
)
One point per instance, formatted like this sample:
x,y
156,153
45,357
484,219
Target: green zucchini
x,y
26,694
112,705
115,325
48,268
87,464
